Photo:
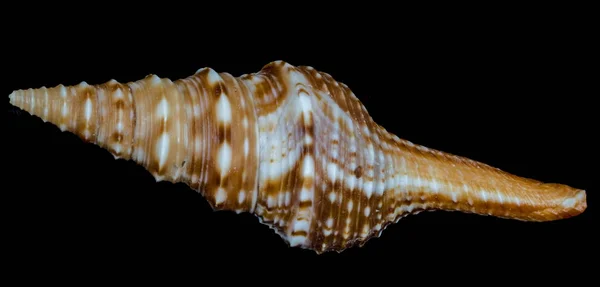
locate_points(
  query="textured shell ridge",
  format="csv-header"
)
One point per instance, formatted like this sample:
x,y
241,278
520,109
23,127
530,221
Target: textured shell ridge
x,y
292,146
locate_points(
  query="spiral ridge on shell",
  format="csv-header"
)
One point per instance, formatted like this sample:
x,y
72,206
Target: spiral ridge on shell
x,y
292,146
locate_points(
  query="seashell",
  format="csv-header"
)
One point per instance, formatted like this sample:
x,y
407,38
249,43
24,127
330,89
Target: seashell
x,y
292,146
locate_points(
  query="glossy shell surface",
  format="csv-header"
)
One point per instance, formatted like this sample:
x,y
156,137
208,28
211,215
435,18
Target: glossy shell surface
x,y
292,146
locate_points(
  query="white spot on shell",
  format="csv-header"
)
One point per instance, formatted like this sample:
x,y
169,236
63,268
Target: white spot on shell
x,y
378,226
434,186
162,110
350,181
117,148
350,205
305,195
365,231
162,149
301,225
308,139
332,196
155,80
118,94
568,203
270,201
241,196
308,168
483,195
297,240
368,189
288,198
223,109
221,196
329,222
224,157
367,211
246,147
88,109
64,111
305,103
213,77
331,171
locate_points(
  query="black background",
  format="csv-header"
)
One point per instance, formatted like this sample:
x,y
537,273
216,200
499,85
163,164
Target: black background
x,y
513,91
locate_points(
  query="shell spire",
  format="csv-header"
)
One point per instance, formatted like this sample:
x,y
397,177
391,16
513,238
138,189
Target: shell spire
x,y
292,146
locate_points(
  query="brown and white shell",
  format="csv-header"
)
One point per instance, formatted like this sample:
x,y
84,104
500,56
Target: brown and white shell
x,y
292,146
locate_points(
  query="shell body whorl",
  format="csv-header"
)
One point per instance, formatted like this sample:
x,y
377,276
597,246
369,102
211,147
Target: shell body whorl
x,y
292,146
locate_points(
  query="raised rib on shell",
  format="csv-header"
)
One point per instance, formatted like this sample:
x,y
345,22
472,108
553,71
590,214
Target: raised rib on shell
x,y
292,146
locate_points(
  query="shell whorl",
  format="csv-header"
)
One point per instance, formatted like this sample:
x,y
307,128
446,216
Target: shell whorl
x,y
292,146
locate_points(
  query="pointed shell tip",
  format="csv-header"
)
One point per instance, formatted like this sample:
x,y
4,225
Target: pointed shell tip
x,y
12,97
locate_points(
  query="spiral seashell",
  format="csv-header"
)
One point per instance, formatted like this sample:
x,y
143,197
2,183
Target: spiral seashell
x,y
292,146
